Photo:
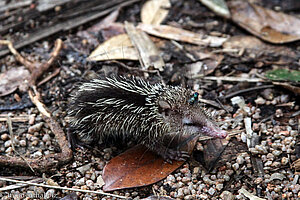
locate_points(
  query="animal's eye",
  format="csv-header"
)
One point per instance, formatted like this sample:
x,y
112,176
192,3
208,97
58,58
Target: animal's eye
x,y
190,124
194,98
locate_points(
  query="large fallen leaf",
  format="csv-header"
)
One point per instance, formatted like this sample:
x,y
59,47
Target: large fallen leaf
x,y
255,45
266,52
12,79
117,47
135,168
218,6
182,35
140,167
149,55
155,11
274,27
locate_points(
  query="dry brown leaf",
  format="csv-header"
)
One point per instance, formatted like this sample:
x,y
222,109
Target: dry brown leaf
x,y
254,45
149,55
274,27
182,35
117,47
139,166
135,168
12,79
155,11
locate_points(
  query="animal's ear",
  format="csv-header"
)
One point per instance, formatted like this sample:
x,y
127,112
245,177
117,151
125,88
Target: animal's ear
x,y
164,105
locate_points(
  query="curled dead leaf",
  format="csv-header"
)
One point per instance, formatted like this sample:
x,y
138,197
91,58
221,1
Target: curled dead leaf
x,y
274,27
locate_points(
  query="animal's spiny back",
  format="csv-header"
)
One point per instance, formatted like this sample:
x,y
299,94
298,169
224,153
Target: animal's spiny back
x,y
121,106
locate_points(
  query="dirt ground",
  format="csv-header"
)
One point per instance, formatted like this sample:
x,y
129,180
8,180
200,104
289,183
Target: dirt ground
x,y
259,158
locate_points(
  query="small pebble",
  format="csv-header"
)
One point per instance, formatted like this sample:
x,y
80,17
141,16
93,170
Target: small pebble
x,y
35,128
226,177
171,178
34,143
235,166
276,153
100,181
31,119
9,150
189,197
260,101
5,137
7,143
226,195
180,193
23,143
186,180
70,175
37,154
240,160
219,187
284,160
196,170
278,113
46,138
89,183
80,182
211,191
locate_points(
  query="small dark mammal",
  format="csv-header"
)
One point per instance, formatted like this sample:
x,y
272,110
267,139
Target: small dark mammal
x,y
132,107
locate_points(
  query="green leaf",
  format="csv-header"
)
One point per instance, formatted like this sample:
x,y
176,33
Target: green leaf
x,y
283,75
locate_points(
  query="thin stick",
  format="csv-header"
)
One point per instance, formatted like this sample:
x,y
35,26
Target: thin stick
x,y
248,90
61,188
233,79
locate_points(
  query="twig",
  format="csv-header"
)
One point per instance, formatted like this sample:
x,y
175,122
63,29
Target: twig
x,y
19,185
61,188
21,118
233,79
248,90
55,73
52,160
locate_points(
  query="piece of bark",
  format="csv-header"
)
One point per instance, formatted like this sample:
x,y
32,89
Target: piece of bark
x,y
70,23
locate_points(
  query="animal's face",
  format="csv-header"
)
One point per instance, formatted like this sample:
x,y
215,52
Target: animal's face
x,y
189,119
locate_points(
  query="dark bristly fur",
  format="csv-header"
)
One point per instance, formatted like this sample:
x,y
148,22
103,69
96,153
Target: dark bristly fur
x,y
132,107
